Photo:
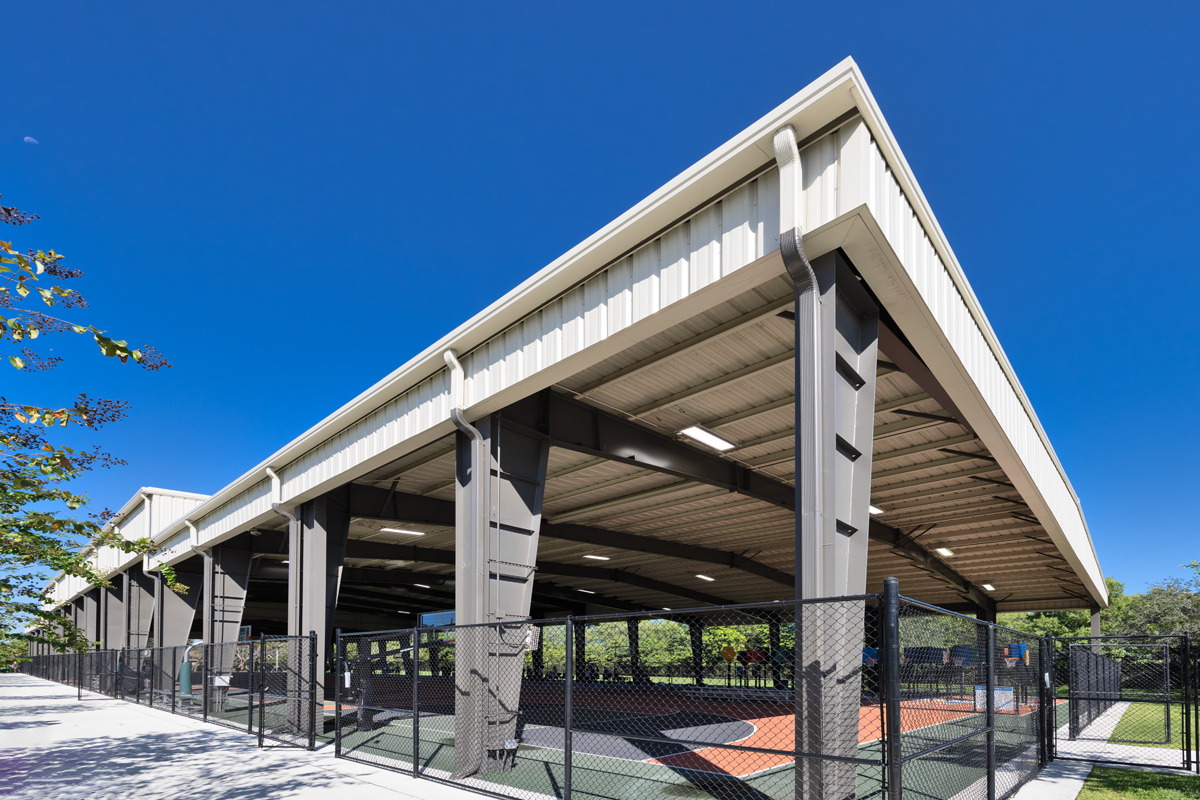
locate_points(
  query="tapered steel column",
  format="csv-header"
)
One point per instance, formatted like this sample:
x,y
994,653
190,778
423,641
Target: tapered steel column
x,y
836,345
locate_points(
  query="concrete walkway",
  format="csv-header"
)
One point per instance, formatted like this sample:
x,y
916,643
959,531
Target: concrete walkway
x,y
53,747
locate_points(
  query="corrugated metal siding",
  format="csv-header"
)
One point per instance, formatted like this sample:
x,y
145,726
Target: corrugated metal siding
x,y
174,547
930,275
401,418
236,513
167,508
170,508
712,243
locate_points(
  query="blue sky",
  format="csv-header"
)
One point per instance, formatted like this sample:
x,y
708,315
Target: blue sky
x,y
290,205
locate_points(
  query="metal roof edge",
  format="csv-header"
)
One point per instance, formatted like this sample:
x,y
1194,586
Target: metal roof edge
x,y
719,168
879,128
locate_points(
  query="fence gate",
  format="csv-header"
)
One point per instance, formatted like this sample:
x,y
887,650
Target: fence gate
x,y
1125,700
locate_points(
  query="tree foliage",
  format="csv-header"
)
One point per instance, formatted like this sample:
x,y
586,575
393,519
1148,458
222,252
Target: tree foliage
x,y
42,530
1169,606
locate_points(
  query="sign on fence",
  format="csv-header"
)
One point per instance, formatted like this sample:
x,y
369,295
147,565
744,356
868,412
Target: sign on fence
x,y
1003,697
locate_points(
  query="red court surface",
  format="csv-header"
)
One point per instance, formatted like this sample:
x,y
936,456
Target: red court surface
x,y
773,730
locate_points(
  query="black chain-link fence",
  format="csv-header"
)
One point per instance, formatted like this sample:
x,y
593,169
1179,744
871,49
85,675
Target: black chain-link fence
x,y
290,704
872,696
969,705
696,702
1126,700
267,687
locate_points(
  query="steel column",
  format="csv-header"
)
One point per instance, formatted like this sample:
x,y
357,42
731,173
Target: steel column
x,y
496,541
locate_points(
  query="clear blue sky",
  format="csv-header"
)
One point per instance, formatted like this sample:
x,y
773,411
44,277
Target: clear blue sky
x,y
291,203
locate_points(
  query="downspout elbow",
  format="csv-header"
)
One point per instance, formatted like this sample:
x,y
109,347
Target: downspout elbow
x,y
457,380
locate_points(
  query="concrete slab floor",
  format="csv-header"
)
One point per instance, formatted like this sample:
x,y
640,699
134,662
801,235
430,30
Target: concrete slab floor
x,y
54,747
1060,780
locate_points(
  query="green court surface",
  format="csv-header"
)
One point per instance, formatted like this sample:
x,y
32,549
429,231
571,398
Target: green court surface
x,y
539,770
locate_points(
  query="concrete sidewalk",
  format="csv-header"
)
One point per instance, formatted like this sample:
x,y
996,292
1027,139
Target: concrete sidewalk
x,y
54,747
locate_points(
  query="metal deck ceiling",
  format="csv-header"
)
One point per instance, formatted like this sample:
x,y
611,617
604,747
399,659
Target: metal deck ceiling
x,y
730,370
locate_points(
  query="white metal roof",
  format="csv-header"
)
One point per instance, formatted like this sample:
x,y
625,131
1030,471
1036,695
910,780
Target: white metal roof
x,y
708,235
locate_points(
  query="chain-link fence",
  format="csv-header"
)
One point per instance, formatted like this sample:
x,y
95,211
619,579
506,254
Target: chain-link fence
x,y
695,702
291,706
969,704
1125,699
859,697
267,687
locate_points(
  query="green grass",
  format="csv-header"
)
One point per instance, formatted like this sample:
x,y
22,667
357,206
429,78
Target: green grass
x,y
1143,721
1129,784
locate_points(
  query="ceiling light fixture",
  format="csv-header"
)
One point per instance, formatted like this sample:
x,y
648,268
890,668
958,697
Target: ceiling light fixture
x,y
402,530
585,591
707,438
598,558
944,551
875,509
705,578
422,585
989,587
285,561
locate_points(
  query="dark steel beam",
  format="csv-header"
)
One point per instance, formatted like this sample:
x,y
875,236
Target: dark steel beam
x,y
431,510
662,547
371,502
582,428
896,349
926,560
581,597
630,579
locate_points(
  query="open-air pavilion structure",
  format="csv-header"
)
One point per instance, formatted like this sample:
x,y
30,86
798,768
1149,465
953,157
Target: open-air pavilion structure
x,y
768,380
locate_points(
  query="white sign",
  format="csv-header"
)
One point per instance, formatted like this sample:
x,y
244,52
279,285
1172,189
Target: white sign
x,y
221,680
1002,696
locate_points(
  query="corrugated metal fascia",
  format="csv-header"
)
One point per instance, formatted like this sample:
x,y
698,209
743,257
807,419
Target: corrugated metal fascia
x,y
886,141
823,101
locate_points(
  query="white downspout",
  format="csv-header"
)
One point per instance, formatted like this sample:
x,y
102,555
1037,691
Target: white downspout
x,y
295,553
479,456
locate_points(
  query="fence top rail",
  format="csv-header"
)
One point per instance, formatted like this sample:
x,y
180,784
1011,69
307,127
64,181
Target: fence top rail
x,y
1179,636
909,601
1127,644
664,614
737,607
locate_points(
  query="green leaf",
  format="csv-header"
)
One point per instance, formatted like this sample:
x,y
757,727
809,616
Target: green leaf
x,y
16,362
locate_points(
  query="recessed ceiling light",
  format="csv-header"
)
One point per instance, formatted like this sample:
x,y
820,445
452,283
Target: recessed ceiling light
x,y
585,591
666,609
875,510
422,585
989,587
598,558
705,578
707,438
944,551
402,530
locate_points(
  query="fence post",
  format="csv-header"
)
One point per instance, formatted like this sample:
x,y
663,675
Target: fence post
x,y
204,674
1049,711
568,710
1186,705
339,660
262,688
249,688
312,690
891,687
991,711
416,703
174,676
78,676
